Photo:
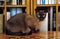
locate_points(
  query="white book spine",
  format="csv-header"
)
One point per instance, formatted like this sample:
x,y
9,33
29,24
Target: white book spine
x,y
38,2
23,2
46,2
58,1
41,1
14,2
52,1
49,1
8,15
19,10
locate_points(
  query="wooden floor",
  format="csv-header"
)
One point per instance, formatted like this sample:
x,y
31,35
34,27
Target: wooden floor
x,y
41,35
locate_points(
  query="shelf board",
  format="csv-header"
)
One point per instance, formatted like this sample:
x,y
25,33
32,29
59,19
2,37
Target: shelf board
x,y
1,5
15,5
47,5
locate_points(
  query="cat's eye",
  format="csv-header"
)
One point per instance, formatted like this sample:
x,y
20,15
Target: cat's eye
x,y
38,15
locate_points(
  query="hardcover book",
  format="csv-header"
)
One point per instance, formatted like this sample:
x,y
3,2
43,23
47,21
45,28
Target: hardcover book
x,y
43,1
13,11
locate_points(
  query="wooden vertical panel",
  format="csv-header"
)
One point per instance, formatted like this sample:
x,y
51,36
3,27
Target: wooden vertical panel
x,y
28,7
25,2
5,18
35,5
56,18
32,7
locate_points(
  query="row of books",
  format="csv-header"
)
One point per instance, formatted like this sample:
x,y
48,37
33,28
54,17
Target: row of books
x,y
16,2
13,12
47,1
1,2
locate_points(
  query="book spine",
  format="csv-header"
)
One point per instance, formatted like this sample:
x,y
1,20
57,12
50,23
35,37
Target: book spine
x,y
54,1
19,10
17,2
50,2
23,2
51,18
14,2
46,1
13,11
20,2
43,1
38,2
8,15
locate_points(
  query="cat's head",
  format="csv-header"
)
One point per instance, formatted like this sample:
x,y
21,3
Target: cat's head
x,y
40,14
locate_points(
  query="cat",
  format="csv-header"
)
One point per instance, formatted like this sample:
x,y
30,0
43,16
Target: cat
x,y
21,24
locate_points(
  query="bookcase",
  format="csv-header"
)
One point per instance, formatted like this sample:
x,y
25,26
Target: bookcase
x,y
30,6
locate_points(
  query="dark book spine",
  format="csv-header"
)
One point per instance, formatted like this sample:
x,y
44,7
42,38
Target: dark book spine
x,y
1,2
20,2
17,2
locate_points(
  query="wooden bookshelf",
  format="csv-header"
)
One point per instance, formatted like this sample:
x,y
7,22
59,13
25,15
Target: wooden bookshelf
x,y
30,9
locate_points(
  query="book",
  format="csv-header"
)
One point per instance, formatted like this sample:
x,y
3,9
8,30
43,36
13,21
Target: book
x,y
14,2
46,2
20,2
1,23
13,11
50,1
51,18
23,2
58,1
19,10
17,2
9,2
8,15
43,1
54,22
38,1
53,1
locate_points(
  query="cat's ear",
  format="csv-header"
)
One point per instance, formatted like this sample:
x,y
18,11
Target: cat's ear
x,y
37,10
